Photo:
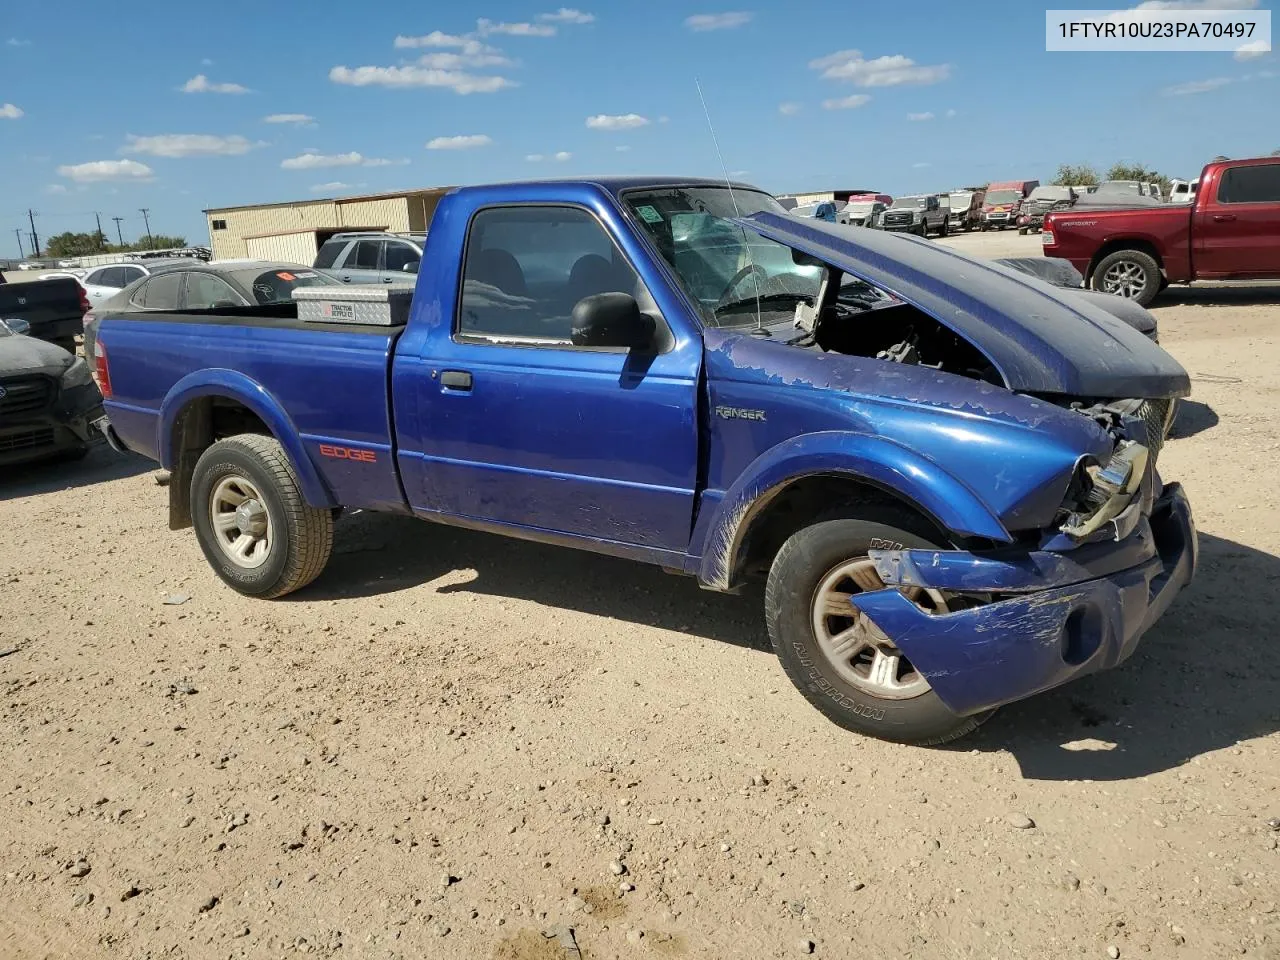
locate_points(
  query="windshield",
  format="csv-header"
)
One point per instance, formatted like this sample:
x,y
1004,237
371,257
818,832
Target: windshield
x,y
908,203
961,199
1003,196
276,286
731,272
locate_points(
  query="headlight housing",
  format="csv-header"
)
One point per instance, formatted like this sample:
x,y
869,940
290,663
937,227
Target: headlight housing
x,y
77,375
1101,493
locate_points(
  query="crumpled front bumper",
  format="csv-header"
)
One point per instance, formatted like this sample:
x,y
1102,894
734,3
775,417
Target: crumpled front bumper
x,y
1056,616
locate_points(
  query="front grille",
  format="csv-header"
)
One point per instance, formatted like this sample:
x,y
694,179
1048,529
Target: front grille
x,y
897,219
27,440
25,395
1155,416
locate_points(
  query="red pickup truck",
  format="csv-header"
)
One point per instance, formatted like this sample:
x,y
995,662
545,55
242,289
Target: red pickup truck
x,y
1230,232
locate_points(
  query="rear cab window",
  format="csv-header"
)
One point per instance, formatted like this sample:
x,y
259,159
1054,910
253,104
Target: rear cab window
x,y
276,286
1254,184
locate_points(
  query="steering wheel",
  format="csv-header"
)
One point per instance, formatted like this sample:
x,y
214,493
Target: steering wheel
x,y
738,277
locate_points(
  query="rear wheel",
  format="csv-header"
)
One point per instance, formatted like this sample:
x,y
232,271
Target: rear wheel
x,y
254,526
1131,274
838,658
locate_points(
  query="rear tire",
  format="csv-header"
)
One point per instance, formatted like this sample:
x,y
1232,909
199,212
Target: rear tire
x,y
904,709
1131,274
280,544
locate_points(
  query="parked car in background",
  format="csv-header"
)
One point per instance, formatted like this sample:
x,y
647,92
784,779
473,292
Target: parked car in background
x,y
193,285
48,400
54,309
1002,202
865,212
921,215
104,282
944,470
966,208
1230,232
1182,191
371,257
1039,202
832,211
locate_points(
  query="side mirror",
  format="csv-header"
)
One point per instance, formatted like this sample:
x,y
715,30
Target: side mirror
x,y
611,320
17,326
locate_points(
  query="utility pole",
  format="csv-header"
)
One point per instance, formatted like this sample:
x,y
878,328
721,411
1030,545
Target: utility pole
x,y
21,253
35,237
101,240
119,235
151,244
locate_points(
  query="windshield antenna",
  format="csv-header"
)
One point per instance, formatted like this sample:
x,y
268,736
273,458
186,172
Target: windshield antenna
x,y
755,280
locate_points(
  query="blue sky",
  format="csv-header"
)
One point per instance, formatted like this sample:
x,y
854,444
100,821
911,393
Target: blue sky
x,y
181,108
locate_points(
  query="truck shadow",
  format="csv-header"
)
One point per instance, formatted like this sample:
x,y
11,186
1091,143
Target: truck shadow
x,y
377,554
102,464
1192,417
1220,295
1205,678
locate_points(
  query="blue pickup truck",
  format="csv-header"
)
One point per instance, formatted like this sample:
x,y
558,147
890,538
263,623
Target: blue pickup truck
x,y
944,470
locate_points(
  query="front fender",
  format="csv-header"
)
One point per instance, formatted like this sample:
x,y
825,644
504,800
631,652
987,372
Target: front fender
x,y
874,460
231,385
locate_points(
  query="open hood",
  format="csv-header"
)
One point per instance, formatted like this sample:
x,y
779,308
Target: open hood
x,y
1041,339
22,355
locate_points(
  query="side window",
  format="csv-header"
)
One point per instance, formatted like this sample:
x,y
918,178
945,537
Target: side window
x,y
205,291
526,268
1260,184
98,278
160,293
328,254
364,256
401,255
130,274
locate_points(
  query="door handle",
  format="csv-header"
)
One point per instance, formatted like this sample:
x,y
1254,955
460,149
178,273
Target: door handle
x,y
455,380
387,280
1223,217
346,278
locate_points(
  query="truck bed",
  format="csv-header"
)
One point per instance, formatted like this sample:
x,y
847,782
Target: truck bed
x,y
310,370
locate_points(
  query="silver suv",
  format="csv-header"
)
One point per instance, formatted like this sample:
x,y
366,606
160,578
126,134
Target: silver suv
x,y
372,257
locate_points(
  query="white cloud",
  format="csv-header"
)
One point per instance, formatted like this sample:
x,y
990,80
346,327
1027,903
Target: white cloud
x,y
951,113
622,148
562,156
618,121
1196,86
9,112
891,71
15,42
559,157
1251,51
297,119
189,145
851,102
567,15
701,22
97,171
433,39
920,117
466,142
314,161
790,108
333,186
449,60
488,27
55,188
206,62
535,157
458,81
201,84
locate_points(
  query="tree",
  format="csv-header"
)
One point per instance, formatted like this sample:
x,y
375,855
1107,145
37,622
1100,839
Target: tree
x,y
1136,171
1076,175
87,244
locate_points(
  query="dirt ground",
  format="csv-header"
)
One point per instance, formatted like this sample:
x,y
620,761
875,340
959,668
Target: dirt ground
x,y
454,744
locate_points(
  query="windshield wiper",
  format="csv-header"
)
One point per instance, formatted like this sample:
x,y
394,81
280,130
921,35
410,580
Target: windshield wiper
x,y
770,299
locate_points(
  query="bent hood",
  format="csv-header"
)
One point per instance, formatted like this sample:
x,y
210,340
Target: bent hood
x,y
21,355
1041,339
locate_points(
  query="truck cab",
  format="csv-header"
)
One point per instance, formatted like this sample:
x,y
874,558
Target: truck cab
x,y
1003,202
920,214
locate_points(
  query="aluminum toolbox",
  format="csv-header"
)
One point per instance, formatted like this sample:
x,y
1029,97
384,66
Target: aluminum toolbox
x,y
385,305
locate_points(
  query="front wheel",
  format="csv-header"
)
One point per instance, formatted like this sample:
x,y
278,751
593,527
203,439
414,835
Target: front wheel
x,y
838,658
253,524
946,229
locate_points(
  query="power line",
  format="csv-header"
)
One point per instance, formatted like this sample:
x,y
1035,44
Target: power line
x,y
119,235
151,244
21,253
35,237
98,237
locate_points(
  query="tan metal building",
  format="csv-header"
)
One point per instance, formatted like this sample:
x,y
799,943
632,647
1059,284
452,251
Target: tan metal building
x,y
293,232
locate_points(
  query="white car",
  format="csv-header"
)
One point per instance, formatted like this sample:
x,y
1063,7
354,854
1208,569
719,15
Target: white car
x,y
104,282
1182,191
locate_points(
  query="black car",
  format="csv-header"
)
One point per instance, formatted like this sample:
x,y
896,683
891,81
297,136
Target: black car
x,y
225,286
48,400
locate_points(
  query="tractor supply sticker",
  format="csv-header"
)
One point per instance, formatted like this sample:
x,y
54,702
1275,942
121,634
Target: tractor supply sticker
x,y
340,311
649,215
286,277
